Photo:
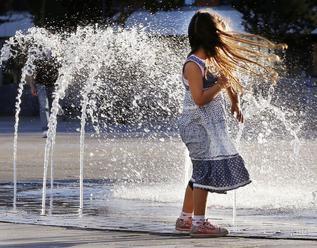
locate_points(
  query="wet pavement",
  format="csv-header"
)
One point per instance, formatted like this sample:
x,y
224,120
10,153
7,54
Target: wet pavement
x,y
136,185
35,236
105,210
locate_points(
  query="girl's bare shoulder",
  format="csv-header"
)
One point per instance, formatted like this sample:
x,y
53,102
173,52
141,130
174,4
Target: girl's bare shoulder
x,y
191,68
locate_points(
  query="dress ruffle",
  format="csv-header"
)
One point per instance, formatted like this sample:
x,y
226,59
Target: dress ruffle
x,y
220,174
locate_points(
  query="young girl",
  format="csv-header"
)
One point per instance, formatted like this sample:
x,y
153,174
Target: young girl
x,y
215,56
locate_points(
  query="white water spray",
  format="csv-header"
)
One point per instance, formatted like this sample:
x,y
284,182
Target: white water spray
x,y
140,84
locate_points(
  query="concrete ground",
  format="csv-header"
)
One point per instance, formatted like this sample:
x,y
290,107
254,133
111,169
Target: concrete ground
x,y
102,161
35,236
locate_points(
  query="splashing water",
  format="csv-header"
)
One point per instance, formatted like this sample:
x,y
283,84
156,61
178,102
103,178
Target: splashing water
x,y
20,45
128,80
87,55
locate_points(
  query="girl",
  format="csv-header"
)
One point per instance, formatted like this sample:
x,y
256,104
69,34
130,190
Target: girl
x,y
215,56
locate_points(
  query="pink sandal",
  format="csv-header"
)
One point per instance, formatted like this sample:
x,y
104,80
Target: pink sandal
x,y
207,230
183,225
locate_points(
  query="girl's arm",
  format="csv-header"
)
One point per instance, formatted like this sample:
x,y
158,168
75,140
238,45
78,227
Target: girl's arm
x,y
200,96
234,97
235,104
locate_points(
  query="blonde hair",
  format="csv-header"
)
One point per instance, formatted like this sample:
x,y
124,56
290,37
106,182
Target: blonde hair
x,y
229,52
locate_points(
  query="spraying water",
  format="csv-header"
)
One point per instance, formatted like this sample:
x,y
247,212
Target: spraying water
x,y
88,89
130,80
101,51
52,181
30,51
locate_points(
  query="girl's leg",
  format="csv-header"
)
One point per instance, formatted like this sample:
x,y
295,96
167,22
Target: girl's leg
x,y
200,226
200,200
184,222
188,204
195,200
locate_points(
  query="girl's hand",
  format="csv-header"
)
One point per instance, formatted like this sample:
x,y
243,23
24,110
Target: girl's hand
x,y
235,108
223,82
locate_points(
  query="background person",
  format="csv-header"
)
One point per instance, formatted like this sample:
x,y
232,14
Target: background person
x,y
42,84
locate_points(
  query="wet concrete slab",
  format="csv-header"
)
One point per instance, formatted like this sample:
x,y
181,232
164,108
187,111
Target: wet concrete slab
x,y
35,236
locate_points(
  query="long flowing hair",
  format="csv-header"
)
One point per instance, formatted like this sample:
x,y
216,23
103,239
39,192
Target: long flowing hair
x,y
228,52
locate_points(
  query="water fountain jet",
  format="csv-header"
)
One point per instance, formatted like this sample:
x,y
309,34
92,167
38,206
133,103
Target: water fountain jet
x,y
128,86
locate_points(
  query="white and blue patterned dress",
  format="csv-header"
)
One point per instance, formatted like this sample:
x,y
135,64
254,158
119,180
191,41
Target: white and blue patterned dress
x,y
217,166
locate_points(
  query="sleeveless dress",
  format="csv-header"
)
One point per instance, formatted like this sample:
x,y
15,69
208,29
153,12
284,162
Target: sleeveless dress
x,y
217,166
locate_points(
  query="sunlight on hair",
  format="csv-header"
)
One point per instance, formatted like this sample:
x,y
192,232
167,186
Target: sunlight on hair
x,y
230,53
